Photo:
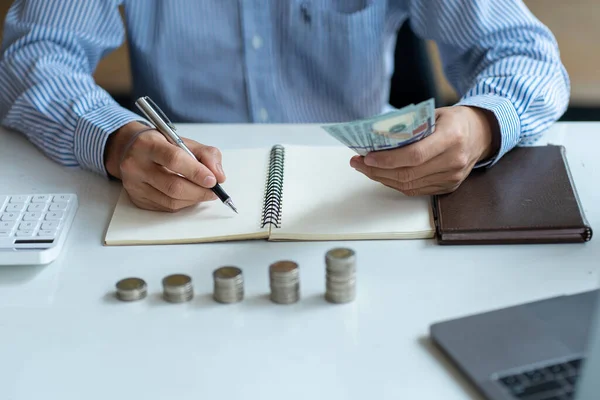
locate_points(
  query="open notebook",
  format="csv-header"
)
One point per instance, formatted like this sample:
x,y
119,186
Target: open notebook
x,y
283,193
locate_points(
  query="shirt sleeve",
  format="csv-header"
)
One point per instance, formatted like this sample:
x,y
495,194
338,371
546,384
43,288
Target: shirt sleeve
x,y
50,50
498,56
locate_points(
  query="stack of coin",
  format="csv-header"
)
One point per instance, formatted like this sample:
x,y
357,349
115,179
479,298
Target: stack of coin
x,y
228,285
177,288
131,289
340,275
284,279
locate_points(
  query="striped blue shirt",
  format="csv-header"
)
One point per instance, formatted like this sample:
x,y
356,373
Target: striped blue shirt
x,y
282,61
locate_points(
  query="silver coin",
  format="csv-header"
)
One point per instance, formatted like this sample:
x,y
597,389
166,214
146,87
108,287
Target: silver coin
x,y
283,267
131,289
284,281
285,299
177,288
340,298
339,279
228,285
226,274
340,275
178,298
340,260
177,281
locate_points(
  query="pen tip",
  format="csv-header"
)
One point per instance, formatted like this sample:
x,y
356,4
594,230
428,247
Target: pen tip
x,y
230,204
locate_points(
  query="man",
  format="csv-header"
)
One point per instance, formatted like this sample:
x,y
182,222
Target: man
x,y
272,61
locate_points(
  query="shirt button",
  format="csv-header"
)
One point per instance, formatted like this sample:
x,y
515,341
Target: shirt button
x,y
257,42
263,115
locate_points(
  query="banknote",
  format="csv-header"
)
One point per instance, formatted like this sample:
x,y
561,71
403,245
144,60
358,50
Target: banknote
x,y
391,130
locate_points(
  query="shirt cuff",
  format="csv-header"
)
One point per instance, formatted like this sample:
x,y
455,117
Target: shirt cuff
x,y
93,130
508,120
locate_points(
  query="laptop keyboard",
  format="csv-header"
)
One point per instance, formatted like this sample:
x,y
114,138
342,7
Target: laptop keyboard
x,y
553,382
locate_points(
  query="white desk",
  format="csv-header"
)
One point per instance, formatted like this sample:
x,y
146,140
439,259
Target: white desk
x,y
63,336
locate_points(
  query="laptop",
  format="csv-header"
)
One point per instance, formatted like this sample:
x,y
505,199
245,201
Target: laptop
x,y
543,350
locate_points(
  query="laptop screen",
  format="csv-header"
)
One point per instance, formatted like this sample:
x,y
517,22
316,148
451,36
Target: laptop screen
x,y
589,385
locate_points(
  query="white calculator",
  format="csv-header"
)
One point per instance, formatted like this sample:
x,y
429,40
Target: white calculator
x,y
34,227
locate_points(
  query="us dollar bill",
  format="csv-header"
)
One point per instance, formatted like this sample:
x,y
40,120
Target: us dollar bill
x,y
387,131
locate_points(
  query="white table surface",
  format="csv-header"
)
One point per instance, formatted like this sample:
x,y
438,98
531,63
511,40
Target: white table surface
x,y
64,336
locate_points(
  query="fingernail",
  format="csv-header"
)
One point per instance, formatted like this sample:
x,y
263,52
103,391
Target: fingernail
x,y
353,163
220,168
370,161
209,181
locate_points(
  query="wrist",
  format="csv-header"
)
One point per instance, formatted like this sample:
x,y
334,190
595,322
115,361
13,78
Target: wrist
x,y
486,130
116,145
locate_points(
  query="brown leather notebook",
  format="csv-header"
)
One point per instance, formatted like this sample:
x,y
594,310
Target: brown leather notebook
x,y
527,197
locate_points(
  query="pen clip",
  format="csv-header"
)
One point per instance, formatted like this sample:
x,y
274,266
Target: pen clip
x,y
161,113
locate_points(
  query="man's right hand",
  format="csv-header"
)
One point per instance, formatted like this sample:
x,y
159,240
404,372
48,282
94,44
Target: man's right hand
x,y
148,168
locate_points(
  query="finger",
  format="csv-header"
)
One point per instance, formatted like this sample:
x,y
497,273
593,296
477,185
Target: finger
x,y
176,187
164,202
136,195
442,180
429,191
416,153
439,164
146,204
209,156
424,191
178,161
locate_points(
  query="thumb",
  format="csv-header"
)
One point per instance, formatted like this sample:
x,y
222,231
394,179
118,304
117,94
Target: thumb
x,y
208,156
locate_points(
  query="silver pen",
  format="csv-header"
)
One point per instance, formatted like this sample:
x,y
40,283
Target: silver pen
x,y
164,126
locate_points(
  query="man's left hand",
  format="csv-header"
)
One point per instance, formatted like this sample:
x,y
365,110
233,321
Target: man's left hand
x,y
440,162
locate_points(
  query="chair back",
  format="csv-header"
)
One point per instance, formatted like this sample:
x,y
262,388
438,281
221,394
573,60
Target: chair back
x,y
413,80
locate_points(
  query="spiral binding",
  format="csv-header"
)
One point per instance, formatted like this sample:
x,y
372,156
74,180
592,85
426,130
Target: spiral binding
x,y
272,206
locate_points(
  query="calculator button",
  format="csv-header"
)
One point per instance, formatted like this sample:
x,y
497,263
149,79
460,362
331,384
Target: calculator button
x,y
62,198
2,201
54,215
36,207
25,233
9,217
4,233
49,226
15,207
19,199
40,198
46,233
58,206
32,216
26,226
7,225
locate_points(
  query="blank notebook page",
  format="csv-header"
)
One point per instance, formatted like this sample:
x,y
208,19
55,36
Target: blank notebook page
x,y
324,198
246,171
